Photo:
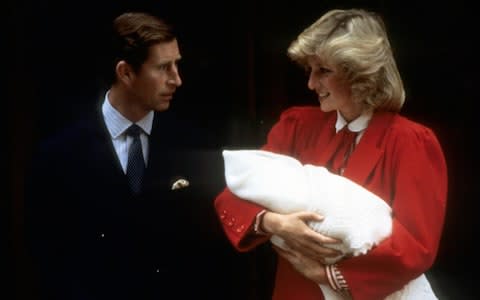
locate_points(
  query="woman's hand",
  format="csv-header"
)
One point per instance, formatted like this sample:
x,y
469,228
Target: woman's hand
x,y
298,236
310,268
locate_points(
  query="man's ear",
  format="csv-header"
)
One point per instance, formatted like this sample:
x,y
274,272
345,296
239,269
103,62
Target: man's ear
x,y
124,72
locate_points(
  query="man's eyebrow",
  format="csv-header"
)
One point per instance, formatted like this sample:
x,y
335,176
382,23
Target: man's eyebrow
x,y
162,62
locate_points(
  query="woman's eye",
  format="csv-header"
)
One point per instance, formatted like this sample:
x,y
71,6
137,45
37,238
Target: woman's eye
x,y
323,70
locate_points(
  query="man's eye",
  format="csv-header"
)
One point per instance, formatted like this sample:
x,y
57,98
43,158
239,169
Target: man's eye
x,y
163,67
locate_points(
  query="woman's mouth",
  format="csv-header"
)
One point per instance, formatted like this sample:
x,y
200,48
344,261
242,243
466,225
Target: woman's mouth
x,y
322,96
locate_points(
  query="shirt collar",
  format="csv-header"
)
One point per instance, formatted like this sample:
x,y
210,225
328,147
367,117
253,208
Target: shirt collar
x,y
357,125
117,123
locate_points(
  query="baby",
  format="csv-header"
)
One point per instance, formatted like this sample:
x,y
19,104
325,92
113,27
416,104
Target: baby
x,y
352,214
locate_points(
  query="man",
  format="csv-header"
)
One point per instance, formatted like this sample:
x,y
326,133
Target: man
x,y
106,224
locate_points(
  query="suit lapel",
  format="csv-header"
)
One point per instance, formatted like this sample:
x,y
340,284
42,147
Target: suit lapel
x,y
160,158
103,152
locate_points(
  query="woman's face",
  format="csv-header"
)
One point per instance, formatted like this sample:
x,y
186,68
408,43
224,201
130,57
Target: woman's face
x,y
333,90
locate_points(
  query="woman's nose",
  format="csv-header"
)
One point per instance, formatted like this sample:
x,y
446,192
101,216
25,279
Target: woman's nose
x,y
311,82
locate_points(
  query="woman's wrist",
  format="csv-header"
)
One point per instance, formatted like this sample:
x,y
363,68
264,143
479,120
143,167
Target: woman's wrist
x,y
258,228
268,222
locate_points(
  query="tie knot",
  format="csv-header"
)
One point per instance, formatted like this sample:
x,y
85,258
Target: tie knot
x,y
134,130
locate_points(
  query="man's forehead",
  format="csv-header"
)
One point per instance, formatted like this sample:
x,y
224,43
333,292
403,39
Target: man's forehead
x,y
165,52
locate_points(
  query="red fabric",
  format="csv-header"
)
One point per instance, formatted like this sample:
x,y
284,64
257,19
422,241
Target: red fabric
x,y
397,159
346,141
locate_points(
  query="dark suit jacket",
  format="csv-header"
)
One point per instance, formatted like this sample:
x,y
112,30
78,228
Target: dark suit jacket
x,y
90,238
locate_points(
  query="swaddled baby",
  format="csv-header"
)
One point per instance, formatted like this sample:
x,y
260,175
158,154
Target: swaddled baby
x,y
282,184
352,214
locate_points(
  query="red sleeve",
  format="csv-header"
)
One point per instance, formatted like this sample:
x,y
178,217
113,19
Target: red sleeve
x,y
283,135
415,170
238,216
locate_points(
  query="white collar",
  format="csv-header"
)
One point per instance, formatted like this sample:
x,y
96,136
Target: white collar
x,y
357,125
117,123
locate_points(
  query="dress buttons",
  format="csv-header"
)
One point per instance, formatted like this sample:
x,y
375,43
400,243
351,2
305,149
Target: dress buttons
x,y
241,228
231,222
223,215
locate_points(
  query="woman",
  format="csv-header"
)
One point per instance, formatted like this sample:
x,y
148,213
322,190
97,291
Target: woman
x,y
356,132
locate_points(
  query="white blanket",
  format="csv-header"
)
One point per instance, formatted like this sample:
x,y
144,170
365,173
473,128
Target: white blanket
x,y
352,214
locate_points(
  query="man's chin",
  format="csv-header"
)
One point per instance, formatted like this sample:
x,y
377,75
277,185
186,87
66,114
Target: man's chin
x,y
162,106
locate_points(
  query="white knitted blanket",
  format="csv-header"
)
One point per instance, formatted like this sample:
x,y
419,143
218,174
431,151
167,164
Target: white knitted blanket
x,y
351,213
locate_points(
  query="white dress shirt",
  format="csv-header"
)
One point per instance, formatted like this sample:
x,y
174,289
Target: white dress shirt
x,y
117,124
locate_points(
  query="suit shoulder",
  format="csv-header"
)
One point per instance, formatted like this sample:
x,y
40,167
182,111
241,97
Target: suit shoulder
x,y
71,136
183,132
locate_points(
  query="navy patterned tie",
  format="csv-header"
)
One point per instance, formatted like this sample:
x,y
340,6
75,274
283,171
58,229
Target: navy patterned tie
x,y
136,163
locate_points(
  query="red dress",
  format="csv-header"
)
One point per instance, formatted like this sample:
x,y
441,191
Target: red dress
x,y
399,160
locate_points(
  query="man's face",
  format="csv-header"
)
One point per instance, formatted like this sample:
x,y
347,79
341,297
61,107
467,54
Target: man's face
x,y
158,77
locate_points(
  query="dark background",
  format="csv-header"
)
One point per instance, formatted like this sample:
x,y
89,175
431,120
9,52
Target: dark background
x,y
237,78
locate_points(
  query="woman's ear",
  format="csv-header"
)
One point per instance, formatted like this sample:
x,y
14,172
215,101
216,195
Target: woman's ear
x,y
125,73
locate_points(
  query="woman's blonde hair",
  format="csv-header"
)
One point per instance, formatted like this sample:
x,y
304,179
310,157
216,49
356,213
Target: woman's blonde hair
x,y
355,41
